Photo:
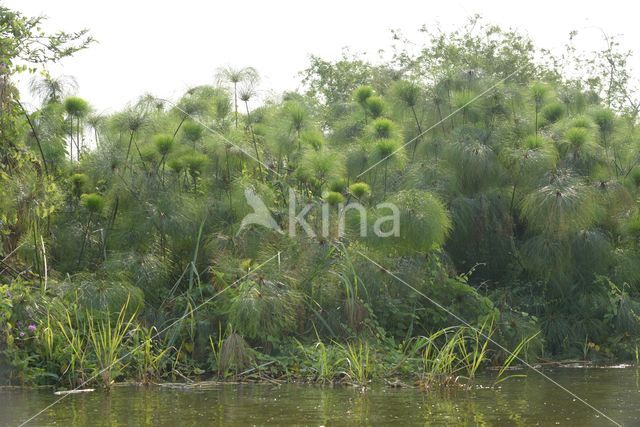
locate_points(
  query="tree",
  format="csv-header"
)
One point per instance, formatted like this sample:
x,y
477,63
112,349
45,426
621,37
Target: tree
x,y
333,82
22,39
24,46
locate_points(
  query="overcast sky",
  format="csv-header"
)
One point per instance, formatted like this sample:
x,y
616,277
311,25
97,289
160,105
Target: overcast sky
x,y
146,46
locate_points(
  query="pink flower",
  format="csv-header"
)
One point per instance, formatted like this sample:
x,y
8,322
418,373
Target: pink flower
x,y
21,334
32,328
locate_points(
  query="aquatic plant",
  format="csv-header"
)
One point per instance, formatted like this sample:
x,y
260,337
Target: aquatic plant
x,y
107,342
234,354
148,353
518,203
359,360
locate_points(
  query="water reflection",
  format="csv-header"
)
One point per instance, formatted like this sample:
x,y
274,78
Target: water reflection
x,y
517,402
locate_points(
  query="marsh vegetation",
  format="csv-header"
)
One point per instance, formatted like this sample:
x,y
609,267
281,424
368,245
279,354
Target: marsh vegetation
x,y
123,256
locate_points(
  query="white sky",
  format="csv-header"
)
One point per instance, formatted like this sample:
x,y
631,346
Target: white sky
x,y
166,47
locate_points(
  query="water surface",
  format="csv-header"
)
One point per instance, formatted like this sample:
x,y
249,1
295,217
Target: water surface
x,y
516,402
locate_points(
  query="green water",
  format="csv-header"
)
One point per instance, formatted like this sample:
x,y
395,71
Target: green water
x,y
522,401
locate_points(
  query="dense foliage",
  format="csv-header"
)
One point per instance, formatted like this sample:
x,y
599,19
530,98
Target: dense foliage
x,y
122,235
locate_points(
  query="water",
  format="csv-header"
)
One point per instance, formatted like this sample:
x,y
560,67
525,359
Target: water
x,y
517,402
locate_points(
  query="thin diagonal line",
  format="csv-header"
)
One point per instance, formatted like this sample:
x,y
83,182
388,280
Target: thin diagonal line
x,y
208,300
195,119
458,318
453,113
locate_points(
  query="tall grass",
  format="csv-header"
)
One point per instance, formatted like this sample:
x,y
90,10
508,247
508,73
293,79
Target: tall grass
x,y
324,360
474,348
359,362
107,339
325,365
352,285
148,356
458,352
47,337
513,356
453,353
440,359
216,346
75,349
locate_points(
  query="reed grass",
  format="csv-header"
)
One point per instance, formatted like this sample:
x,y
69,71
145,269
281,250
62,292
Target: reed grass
x,y
76,348
513,356
47,338
451,354
107,342
324,360
359,362
148,356
474,348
